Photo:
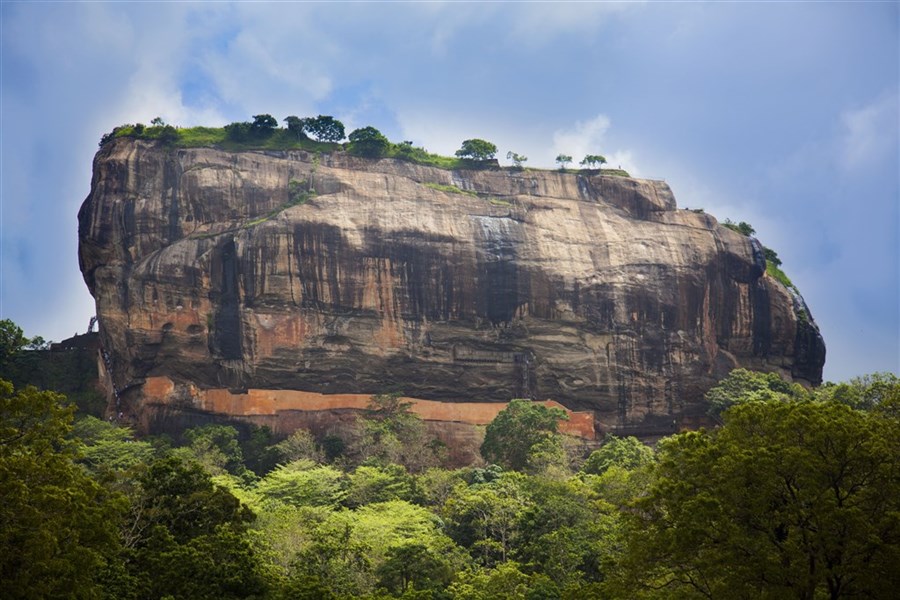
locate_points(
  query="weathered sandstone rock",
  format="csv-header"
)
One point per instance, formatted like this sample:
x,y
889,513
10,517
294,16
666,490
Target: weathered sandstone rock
x,y
590,290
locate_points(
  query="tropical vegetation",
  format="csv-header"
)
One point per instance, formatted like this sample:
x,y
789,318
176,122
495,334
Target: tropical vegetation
x,y
324,134
794,494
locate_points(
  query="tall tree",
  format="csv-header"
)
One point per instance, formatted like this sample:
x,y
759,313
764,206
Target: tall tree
x,y
786,500
477,149
593,160
742,385
519,430
563,160
296,126
368,141
325,128
627,453
517,159
264,124
58,527
12,341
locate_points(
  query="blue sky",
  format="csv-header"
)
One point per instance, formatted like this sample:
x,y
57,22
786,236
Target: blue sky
x,y
784,115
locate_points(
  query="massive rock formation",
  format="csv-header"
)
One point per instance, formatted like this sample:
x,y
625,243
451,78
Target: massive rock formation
x,y
270,284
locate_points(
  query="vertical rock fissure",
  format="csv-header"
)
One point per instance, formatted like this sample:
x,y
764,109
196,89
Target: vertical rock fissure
x,y
227,323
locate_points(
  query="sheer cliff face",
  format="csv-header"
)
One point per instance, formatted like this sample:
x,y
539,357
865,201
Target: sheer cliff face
x,y
211,272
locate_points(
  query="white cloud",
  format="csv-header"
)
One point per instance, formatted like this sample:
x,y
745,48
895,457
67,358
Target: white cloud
x,y
542,22
870,134
590,137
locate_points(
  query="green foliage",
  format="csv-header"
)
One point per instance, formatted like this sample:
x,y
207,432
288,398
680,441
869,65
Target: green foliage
x,y
263,125
743,228
296,125
627,453
418,155
258,449
262,134
299,192
370,484
505,582
368,142
797,499
450,189
179,496
303,483
391,433
875,392
563,160
519,431
434,486
300,445
57,525
73,373
517,159
305,587
773,263
741,386
106,447
325,128
239,131
566,532
772,270
771,257
484,517
593,160
795,495
477,149
213,566
384,525
12,342
216,447
413,566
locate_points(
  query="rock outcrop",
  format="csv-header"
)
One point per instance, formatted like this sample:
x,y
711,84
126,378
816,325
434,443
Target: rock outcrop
x,y
235,273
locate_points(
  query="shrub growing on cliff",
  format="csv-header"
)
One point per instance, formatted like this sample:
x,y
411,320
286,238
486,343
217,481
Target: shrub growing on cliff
x,y
238,131
477,149
593,160
517,159
296,125
563,160
743,227
263,125
369,142
325,128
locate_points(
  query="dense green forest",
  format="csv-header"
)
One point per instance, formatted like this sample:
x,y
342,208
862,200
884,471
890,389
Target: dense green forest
x,y
795,494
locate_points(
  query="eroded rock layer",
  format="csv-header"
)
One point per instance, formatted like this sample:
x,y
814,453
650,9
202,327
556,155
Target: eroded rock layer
x,y
338,275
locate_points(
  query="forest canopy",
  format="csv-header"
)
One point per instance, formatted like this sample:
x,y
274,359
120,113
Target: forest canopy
x,y
795,494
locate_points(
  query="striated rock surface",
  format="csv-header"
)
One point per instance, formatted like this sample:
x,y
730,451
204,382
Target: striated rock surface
x,y
220,275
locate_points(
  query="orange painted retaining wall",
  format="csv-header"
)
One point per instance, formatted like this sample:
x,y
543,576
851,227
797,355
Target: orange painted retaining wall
x,y
256,402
